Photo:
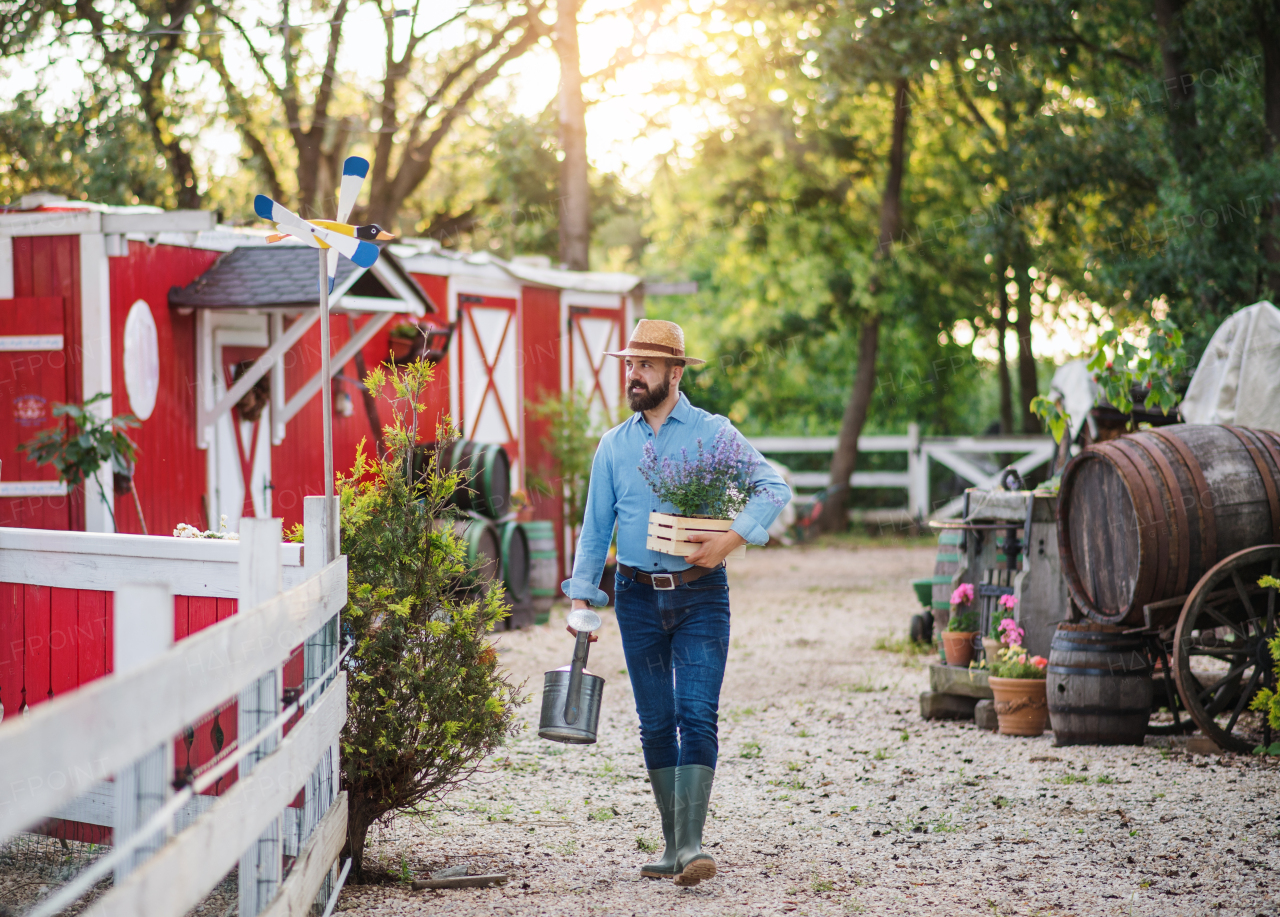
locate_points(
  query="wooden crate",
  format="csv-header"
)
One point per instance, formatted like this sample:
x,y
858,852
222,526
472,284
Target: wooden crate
x,y
667,534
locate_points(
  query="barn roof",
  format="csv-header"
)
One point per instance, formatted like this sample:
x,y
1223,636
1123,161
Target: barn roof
x,y
428,257
286,275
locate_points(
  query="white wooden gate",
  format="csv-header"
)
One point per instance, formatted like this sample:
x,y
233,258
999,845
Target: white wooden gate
x,y
239,448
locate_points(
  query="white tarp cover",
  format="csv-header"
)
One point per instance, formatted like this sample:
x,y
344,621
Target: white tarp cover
x,y
1238,379
1074,387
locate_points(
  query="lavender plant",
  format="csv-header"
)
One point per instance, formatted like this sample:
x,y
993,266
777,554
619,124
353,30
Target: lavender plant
x,y
716,483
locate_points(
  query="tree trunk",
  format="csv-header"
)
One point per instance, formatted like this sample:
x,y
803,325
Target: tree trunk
x,y
834,516
358,824
1002,327
1269,30
1179,85
575,202
1028,383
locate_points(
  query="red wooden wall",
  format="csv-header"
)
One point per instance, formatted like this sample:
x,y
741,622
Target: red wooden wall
x,y
49,266
437,290
540,357
170,475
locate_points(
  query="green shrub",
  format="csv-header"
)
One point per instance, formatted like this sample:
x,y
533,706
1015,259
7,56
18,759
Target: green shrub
x,y
427,702
1267,701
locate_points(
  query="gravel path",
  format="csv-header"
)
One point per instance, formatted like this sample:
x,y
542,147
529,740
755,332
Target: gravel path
x,y
833,796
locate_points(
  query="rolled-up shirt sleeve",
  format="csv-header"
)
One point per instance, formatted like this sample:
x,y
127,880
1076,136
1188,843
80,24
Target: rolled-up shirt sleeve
x,y
597,531
771,494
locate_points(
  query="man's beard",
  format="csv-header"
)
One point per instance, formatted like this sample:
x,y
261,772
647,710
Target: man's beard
x,y
647,399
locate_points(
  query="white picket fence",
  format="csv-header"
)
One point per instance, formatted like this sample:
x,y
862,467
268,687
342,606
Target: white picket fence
x,y
955,452
171,848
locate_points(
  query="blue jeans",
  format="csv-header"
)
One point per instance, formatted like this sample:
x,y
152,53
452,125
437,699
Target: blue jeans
x,y
676,643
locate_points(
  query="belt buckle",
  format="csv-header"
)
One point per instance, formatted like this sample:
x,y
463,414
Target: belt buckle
x,y
669,577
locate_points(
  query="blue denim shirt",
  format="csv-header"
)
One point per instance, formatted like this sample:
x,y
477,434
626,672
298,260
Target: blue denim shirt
x,y
619,493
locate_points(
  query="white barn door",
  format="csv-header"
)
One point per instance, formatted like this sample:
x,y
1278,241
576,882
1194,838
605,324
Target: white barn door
x,y
592,331
239,457
489,384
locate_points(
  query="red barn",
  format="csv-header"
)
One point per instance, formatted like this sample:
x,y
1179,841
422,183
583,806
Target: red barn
x,y
211,338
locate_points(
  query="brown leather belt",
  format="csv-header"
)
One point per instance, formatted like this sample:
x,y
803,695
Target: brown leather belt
x,y
665,582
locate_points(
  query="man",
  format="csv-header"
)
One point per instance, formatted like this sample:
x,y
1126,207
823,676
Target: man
x,y
673,612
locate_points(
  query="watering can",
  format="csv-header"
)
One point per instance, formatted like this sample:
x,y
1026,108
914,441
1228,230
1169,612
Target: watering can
x,y
570,694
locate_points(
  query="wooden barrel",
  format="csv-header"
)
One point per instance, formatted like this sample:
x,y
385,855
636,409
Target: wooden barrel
x,y
1141,518
515,563
544,572
484,546
1099,686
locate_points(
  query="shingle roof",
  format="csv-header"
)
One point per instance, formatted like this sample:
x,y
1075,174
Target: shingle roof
x,y
261,275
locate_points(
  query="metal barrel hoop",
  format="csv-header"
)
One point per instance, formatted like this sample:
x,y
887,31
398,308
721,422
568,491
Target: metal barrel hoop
x,y
1148,544
1208,522
1156,519
1070,569
1181,533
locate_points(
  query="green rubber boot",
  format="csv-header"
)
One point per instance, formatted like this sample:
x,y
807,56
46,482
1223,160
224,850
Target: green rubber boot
x,y
693,798
664,793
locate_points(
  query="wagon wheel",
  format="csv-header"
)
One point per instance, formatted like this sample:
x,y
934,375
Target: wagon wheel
x,y
1224,626
1166,694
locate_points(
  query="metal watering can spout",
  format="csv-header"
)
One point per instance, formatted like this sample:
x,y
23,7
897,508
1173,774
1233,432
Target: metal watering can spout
x,y
571,695
584,621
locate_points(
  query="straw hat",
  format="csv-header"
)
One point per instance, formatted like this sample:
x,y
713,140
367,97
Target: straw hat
x,y
654,338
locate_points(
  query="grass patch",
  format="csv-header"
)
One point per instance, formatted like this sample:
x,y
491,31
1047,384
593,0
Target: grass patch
x,y
882,754
648,846
823,885
601,815
1104,778
750,750
943,825
866,686
902,645
794,766
1073,778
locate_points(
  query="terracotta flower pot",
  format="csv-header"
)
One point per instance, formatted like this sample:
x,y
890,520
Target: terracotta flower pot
x,y
958,646
1021,705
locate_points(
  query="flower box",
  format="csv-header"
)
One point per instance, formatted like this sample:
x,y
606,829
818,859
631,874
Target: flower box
x,y
667,533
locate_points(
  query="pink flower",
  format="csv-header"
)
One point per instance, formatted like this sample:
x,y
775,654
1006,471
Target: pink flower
x,y
1010,633
1009,602
1039,662
963,594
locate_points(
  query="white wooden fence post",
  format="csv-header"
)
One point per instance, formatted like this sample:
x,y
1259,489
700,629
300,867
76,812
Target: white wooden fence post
x,y
261,578
320,548
917,475
143,630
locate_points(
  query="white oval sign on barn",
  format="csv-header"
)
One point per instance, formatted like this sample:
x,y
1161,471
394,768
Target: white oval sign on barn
x,y
141,360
